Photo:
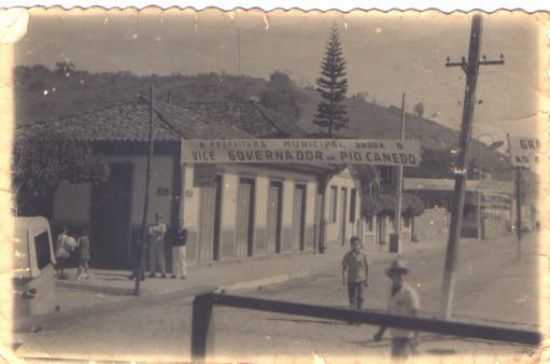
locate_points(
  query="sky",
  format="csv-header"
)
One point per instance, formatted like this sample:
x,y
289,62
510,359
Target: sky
x,y
387,54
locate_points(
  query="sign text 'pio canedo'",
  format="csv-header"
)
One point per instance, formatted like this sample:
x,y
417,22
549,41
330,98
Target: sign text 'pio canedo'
x,y
349,151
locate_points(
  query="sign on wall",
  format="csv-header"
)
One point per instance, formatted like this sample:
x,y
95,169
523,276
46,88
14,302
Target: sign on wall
x,y
347,151
524,151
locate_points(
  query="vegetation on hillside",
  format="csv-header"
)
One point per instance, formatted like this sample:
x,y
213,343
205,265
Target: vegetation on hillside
x,y
45,94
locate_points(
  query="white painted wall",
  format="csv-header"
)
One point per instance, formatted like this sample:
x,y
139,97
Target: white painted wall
x,y
310,202
189,203
288,203
230,184
260,218
344,179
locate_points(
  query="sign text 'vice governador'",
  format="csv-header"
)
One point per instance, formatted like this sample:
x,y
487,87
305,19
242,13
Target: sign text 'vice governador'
x,y
348,151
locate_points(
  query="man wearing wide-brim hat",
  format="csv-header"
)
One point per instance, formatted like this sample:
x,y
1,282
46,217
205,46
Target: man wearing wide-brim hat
x,y
403,301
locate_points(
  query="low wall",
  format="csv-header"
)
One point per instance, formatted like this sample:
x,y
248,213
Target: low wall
x,y
432,225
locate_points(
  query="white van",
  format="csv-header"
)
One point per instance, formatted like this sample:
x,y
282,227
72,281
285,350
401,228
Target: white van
x,y
33,268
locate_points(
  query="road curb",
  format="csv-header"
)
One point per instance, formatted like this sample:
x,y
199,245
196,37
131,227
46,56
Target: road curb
x,y
262,282
114,291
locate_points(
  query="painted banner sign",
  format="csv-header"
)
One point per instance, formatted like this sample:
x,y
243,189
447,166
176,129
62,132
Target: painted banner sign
x,y
347,151
524,151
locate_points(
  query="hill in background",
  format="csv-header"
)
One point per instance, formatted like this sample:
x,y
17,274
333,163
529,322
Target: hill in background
x,y
44,94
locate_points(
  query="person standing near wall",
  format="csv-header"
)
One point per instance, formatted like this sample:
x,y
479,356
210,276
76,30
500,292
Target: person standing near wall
x,y
179,268
84,256
65,245
157,234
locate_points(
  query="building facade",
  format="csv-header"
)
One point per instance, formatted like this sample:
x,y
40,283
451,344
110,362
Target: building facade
x,y
231,211
248,210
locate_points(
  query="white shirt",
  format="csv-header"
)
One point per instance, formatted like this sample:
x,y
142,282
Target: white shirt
x,y
157,232
404,303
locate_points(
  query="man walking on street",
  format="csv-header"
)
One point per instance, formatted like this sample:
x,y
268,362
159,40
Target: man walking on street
x,y
403,301
355,271
157,234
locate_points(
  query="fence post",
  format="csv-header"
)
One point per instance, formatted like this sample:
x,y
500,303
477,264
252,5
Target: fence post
x,y
202,336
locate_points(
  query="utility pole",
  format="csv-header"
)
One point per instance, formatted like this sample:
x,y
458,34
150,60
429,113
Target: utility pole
x,y
141,246
518,201
471,68
400,183
479,199
518,211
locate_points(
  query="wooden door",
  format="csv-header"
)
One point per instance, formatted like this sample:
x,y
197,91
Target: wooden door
x,y
299,216
274,217
245,218
210,210
217,217
110,219
206,223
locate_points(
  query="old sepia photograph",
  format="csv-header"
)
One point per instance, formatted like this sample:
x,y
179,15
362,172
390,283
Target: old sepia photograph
x,y
211,186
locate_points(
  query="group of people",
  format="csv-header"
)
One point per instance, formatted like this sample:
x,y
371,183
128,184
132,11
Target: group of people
x,y
67,246
403,298
156,245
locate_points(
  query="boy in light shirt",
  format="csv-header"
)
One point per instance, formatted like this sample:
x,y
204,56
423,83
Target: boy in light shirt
x,y
355,270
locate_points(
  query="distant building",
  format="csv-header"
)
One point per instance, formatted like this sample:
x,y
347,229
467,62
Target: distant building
x,y
379,225
231,211
487,207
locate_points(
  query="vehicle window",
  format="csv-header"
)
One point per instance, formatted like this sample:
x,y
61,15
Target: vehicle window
x,y
21,258
42,243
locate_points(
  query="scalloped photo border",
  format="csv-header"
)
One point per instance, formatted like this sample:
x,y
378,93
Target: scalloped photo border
x,y
9,24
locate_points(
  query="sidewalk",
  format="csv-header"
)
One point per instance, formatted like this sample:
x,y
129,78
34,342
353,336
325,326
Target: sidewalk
x,y
111,290
108,286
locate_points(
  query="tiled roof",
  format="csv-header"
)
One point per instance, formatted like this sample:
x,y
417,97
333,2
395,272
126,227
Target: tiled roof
x,y
248,116
130,122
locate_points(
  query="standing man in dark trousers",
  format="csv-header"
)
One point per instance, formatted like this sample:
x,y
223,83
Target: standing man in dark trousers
x,y
355,270
403,301
179,266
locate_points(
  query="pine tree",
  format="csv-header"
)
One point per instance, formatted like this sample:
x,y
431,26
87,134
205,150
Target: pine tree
x,y
332,86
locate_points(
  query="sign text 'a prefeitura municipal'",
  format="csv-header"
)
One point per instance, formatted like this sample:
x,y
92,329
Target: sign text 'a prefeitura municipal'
x,y
348,151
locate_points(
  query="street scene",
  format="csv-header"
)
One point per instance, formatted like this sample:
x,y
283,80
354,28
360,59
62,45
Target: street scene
x,y
183,191
491,290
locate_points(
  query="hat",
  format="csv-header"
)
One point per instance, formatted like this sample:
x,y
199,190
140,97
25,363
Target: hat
x,y
397,266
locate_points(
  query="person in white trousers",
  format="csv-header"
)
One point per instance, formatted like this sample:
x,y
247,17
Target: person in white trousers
x,y
179,268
